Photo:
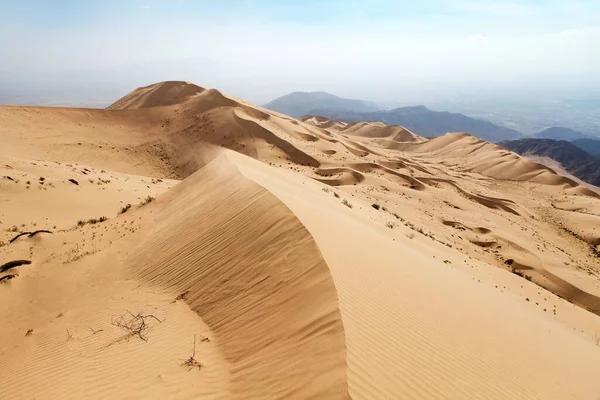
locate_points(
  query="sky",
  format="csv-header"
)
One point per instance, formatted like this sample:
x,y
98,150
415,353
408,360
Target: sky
x,y
84,52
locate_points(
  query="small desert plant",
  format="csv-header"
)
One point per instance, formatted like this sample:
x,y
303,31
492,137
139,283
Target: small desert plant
x,y
390,225
325,189
398,217
376,206
147,200
346,203
336,195
192,362
29,332
134,325
125,208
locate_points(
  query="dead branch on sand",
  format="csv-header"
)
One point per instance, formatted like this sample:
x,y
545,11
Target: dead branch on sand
x,y
13,264
29,234
134,325
8,277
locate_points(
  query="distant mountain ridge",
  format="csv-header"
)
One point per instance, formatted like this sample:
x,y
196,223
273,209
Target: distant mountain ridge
x,y
426,122
297,104
561,133
590,146
576,161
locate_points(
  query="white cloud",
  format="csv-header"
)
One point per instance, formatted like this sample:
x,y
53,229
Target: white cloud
x,y
478,37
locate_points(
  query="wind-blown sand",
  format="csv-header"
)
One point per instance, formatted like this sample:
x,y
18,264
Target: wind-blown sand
x,y
308,259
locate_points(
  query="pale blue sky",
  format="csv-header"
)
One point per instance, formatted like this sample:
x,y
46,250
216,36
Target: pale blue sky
x,y
378,50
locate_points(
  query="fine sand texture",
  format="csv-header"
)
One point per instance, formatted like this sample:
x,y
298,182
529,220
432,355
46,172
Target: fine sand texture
x,y
183,243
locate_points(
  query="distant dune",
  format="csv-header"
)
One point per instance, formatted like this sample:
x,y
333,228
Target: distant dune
x,y
199,246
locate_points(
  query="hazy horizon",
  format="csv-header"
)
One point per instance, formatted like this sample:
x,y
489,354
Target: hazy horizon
x,y
80,53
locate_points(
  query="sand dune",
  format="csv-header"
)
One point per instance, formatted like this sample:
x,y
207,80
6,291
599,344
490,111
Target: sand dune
x,y
159,94
308,258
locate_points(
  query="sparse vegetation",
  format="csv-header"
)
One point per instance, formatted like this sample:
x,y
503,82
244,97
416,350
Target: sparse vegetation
x,y
376,206
521,274
390,224
125,208
336,195
29,332
346,203
135,325
398,217
192,362
325,189
147,200
91,221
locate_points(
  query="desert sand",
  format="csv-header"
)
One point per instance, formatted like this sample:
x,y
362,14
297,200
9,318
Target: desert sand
x,y
199,246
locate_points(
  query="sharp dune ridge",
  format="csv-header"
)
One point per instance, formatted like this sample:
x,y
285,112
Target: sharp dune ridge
x,y
204,247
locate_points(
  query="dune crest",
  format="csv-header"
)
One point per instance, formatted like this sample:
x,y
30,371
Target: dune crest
x,y
157,95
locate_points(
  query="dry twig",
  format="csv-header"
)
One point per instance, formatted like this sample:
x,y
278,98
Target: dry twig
x,y
135,325
13,264
29,234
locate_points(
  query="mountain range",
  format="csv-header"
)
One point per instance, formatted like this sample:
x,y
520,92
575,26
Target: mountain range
x,y
574,160
418,119
590,146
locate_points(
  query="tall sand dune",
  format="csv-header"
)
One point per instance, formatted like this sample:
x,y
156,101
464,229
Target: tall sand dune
x,y
187,244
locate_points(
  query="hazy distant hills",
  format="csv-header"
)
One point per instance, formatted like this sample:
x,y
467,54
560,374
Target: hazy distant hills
x,y
298,104
576,161
419,119
560,133
426,122
590,146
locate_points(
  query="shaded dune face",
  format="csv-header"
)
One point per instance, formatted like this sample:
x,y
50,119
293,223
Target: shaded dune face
x,y
256,277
